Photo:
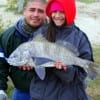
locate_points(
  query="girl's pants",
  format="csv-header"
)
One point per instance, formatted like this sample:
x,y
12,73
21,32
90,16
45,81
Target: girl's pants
x,y
19,95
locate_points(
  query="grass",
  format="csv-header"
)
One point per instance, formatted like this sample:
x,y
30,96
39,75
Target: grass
x,y
93,87
96,53
87,1
10,88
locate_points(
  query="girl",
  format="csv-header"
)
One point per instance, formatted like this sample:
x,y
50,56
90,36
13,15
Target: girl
x,y
63,82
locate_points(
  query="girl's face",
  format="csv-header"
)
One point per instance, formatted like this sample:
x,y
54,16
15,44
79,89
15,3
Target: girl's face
x,y
58,18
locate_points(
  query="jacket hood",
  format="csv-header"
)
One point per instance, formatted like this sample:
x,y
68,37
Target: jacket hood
x,y
18,27
69,7
23,33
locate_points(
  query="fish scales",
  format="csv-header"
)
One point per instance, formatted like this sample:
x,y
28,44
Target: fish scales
x,y
28,52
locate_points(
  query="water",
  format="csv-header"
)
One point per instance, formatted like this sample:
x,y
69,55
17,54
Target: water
x,y
88,19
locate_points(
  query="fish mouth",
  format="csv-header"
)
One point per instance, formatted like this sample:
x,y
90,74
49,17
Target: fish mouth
x,y
14,62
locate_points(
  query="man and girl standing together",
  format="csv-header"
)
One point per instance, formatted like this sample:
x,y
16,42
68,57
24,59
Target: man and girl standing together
x,y
63,82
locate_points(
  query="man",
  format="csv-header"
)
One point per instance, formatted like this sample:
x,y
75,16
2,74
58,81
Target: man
x,y
24,30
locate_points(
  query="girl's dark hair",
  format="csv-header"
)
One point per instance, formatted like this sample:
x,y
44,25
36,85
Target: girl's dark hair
x,y
50,33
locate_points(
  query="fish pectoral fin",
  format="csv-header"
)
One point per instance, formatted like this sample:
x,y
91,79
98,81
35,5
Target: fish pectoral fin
x,y
41,60
40,72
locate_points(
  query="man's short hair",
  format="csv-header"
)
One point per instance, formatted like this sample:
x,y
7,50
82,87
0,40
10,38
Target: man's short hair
x,y
28,1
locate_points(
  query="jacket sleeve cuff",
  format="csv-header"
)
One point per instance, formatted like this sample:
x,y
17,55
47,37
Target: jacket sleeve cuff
x,y
2,92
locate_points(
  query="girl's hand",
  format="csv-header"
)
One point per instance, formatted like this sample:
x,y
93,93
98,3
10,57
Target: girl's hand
x,y
60,65
25,67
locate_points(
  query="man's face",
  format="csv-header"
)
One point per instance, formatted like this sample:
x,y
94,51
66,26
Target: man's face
x,y
35,13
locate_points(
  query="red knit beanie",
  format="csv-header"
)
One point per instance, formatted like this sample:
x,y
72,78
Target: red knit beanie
x,y
56,6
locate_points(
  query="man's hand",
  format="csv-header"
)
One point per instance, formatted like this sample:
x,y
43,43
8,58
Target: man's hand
x,y
26,67
3,95
60,65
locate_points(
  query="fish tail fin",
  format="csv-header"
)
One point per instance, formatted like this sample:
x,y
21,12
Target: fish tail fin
x,y
94,70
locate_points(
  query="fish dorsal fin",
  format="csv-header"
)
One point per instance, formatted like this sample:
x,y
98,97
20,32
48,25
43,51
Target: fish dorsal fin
x,y
69,46
39,37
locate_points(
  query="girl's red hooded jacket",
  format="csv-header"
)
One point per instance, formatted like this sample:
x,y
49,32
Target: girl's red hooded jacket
x,y
69,7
